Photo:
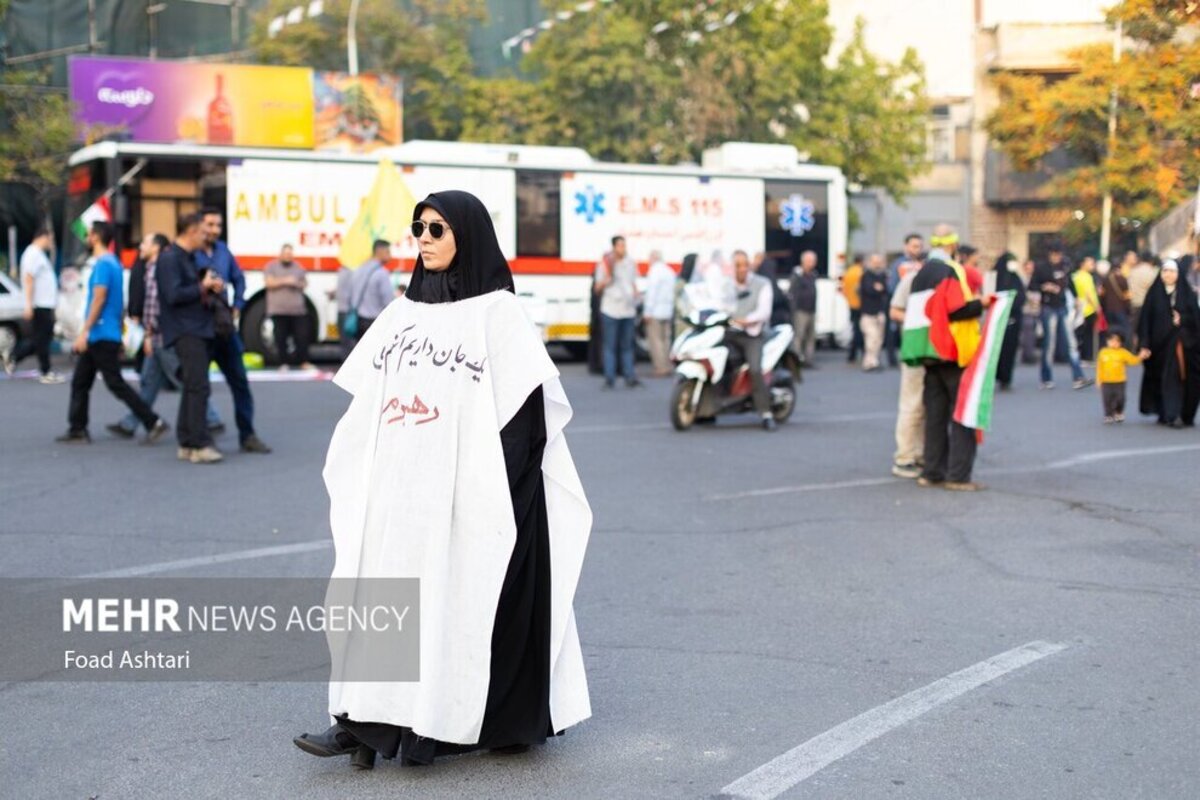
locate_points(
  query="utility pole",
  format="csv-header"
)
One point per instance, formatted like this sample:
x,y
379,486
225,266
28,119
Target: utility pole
x,y
91,26
351,38
1106,208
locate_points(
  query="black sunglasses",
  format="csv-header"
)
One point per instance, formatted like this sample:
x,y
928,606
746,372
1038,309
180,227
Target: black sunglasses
x,y
436,229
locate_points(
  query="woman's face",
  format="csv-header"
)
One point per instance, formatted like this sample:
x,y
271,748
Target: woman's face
x,y
436,254
1169,276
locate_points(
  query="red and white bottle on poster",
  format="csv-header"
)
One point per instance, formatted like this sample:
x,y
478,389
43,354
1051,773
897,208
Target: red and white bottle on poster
x,y
220,116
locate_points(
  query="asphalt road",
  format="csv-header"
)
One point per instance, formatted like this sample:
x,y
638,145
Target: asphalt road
x,y
745,593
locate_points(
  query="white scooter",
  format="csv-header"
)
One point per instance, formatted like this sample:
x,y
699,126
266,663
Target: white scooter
x,y
703,389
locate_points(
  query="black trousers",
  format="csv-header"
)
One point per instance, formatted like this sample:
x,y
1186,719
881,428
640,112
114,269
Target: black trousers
x,y
291,328
190,427
856,336
751,348
105,358
949,446
1113,395
43,334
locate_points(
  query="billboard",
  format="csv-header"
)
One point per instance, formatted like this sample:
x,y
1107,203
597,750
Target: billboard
x,y
676,215
357,114
311,204
234,104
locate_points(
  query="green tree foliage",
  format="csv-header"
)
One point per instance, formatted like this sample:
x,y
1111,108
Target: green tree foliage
x,y
37,134
650,81
664,80
1155,161
423,41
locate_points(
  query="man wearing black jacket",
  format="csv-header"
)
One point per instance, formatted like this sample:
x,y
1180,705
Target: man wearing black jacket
x,y
186,323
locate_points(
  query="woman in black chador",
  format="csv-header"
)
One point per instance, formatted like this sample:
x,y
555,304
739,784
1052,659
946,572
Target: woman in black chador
x,y
1169,332
460,260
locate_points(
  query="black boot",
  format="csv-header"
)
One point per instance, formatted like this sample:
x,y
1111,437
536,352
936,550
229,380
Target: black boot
x,y
363,758
333,742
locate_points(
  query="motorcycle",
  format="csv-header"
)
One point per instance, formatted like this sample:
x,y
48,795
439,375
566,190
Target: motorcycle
x,y
703,389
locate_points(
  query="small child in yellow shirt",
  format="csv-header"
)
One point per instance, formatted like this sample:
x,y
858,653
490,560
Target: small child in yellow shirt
x,y
1110,375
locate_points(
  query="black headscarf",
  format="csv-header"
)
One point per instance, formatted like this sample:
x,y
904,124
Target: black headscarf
x,y
478,266
1157,328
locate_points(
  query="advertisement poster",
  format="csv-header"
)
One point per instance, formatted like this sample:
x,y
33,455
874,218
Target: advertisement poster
x,y
198,103
357,114
310,205
676,215
237,104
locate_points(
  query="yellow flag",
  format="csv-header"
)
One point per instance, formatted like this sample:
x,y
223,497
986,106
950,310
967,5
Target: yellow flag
x,y
385,214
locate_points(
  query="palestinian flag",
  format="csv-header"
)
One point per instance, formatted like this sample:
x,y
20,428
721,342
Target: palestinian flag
x,y
915,344
97,211
977,388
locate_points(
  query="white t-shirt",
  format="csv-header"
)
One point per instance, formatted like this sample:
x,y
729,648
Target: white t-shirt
x,y
619,299
36,263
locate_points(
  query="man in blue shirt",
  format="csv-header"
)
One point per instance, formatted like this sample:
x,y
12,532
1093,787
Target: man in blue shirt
x,y
99,344
228,350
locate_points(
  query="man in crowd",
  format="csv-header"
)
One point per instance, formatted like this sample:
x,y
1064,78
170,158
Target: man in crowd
x,y
873,296
944,345
1114,295
159,365
908,261
215,256
803,295
1140,278
1031,314
851,280
1052,277
371,286
615,284
658,312
750,316
186,324
910,414
40,286
99,344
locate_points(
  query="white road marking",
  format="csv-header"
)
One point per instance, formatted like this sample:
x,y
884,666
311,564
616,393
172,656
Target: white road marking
x,y
1077,460
802,762
217,558
805,487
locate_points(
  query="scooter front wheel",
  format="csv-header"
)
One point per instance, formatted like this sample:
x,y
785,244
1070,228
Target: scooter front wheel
x,y
683,408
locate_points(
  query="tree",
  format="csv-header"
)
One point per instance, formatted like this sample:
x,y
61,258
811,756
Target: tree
x,y
662,80
871,119
422,41
1153,164
37,134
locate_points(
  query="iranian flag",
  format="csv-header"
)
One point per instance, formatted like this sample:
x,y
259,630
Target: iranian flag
x,y
977,389
97,211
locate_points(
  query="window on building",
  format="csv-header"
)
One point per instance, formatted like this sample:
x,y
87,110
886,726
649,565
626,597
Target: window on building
x,y
940,136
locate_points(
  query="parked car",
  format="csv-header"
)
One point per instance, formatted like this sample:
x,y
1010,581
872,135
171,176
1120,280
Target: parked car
x,y
12,309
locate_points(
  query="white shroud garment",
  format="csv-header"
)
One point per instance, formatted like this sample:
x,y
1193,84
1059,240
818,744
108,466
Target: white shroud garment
x,y
418,488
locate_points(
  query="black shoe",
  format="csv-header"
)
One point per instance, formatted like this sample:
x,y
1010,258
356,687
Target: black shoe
x,y
768,424
157,432
608,384
510,750
216,430
117,429
633,383
335,741
74,437
253,444
363,758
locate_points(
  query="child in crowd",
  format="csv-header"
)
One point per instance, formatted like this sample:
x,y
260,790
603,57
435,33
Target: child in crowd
x,y
1110,374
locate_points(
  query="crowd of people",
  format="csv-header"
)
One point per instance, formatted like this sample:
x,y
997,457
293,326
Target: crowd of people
x,y
1089,316
183,300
